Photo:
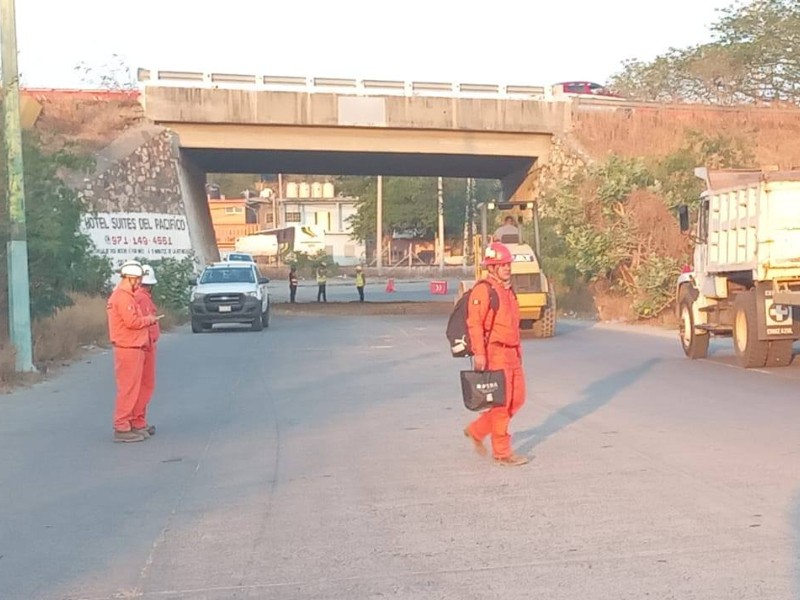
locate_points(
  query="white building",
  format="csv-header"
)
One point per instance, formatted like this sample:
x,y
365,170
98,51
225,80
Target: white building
x,y
314,204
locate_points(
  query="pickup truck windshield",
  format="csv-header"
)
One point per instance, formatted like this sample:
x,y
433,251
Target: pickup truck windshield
x,y
223,275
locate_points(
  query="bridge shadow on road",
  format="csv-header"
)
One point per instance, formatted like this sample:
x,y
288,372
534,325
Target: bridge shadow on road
x,y
595,395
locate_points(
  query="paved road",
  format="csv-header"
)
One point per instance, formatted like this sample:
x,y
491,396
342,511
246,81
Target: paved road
x,y
344,290
323,459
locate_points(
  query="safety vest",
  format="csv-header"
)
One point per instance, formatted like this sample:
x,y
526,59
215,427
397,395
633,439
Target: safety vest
x,y
322,277
359,280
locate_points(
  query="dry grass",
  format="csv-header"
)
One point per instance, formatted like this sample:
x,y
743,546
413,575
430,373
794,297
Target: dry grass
x,y
62,336
90,123
772,133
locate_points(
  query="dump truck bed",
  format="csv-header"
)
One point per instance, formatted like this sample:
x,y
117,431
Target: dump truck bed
x,y
754,224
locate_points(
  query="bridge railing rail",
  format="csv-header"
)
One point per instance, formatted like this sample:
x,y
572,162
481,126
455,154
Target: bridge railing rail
x,y
339,85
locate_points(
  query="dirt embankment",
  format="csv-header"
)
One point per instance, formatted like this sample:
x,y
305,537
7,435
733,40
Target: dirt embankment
x,y
88,120
772,134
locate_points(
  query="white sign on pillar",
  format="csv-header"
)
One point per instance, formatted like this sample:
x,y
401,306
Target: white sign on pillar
x,y
123,236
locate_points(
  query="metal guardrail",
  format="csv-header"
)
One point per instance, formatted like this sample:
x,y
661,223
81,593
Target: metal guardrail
x,y
338,85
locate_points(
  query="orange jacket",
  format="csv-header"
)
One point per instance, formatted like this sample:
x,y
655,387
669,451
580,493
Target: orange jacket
x,y
483,330
127,326
148,307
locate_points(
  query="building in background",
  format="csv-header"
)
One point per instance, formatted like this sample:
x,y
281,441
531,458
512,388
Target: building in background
x,y
316,206
312,209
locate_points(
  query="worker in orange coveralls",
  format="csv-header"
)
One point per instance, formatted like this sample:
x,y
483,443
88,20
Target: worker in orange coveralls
x,y
129,331
144,299
495,339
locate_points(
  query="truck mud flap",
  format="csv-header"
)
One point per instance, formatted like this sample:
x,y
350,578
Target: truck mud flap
x,y
775,321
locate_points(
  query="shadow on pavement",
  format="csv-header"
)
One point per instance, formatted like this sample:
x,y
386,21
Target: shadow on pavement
x,y
595,395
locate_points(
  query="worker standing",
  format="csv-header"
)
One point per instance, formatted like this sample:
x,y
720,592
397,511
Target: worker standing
x,y
144,299
129,331
495,339
360,282
292,284
322,282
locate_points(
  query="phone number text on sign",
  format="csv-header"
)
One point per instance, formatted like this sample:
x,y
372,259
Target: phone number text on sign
x,y
123,236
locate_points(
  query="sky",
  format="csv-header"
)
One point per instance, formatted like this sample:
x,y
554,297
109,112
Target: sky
x,y
523,42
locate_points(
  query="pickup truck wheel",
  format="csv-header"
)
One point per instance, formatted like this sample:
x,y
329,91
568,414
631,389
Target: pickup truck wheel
x,y
751,351
779,353
694,344
196,327
257,324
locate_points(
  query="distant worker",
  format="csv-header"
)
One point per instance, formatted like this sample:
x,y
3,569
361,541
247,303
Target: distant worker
x,y
322,282
360,282
292,284
144,299
508,233
129,332
495,340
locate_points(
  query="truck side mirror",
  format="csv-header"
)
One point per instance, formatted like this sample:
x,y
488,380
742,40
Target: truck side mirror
x,y
683,217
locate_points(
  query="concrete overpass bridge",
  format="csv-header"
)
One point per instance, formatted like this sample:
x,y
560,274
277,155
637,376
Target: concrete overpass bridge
x,y
260,124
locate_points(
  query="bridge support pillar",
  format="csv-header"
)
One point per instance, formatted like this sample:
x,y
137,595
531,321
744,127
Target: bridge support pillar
x,y
192,181
522,184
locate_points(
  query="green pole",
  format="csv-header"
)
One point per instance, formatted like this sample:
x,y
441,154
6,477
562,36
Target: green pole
x,y
19,306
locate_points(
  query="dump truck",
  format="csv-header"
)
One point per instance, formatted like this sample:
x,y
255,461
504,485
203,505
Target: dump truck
x,y
744,282
536,297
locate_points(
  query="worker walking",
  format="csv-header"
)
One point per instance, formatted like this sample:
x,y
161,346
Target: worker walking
x,y
360,283
495,340
129,331
144,299
292,284
322,282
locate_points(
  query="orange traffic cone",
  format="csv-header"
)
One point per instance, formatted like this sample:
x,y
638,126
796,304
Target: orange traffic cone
x,y
389,285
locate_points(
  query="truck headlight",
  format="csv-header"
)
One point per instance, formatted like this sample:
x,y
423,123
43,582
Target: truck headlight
x,y
196,296
252,294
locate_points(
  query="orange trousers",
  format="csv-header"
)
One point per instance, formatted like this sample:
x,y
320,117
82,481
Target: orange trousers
x,y
146,388
495,421
128,368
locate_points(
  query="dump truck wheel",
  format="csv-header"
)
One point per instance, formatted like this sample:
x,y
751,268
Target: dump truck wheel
x,y
751,351
694,344
779,353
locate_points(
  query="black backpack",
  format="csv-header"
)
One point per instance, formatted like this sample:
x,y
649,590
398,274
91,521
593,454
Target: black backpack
x,y
457,333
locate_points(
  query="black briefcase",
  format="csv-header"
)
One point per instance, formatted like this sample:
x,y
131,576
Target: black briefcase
x,y
483,389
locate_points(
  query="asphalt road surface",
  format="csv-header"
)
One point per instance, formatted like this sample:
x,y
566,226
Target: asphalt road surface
x,y
323,459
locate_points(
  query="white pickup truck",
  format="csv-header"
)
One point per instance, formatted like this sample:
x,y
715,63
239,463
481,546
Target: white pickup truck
x,y
230,292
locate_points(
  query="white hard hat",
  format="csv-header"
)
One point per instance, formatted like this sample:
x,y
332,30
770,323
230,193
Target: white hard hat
x,y
149,275
131,268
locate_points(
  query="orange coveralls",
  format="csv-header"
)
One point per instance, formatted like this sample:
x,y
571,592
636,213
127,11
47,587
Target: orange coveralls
x,y
499,342
128,330
146,307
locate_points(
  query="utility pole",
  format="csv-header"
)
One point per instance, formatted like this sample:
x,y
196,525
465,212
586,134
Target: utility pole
x,y
19,306
440,203
465,239
379,230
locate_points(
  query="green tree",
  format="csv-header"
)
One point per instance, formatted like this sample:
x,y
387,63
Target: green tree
x,y
754,57
410,204
60,258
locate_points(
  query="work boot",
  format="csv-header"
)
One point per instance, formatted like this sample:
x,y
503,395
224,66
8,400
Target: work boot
x,y
513,460
147,431
142,431
478,446
128,436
